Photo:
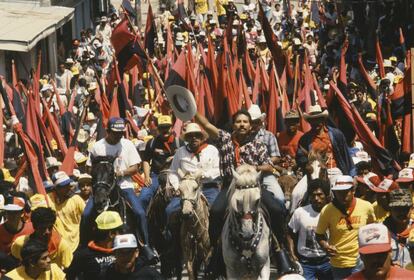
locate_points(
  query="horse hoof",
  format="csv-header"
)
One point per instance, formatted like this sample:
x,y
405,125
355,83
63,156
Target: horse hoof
x,y
150,255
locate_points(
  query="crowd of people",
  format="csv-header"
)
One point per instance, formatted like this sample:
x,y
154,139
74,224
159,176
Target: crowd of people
x,y
353,220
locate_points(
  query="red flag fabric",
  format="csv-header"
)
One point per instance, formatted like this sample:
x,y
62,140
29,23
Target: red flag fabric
x,y
114,109
342,68
150,32
69,163
273,103
271,40
381,158
31,158
364,73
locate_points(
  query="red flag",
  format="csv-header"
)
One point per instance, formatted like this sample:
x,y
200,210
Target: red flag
x,y
381,158
54,128
114,109
342,68
364,73
273,103
68,163
31,158
271,40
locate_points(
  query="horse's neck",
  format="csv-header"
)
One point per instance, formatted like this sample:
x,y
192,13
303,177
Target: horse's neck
x,y
114,195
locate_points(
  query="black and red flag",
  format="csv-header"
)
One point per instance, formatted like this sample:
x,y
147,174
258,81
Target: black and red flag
x,y
150,32
271,40
127,47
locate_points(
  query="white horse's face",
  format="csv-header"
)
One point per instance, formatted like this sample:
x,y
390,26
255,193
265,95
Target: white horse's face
x,y
189,190
245,199
316,169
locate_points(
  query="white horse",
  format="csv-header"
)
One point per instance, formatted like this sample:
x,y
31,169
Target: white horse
x,y
315,168
246,234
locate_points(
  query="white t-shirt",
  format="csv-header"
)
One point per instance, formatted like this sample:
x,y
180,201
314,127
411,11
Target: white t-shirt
x,y
303,222
127,157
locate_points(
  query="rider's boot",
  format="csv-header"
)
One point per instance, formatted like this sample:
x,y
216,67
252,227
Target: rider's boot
x,y
150,254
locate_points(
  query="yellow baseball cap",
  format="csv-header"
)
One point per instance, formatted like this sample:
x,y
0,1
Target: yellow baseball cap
x,y
108,220
164,120
6,176
38,200
74,70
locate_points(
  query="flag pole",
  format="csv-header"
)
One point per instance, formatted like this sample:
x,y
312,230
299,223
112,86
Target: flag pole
x,y
295,85
412,98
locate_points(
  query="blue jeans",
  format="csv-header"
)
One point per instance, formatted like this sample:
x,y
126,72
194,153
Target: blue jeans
x,y
342,273
272,185
321,271
175,203
147,193
137,208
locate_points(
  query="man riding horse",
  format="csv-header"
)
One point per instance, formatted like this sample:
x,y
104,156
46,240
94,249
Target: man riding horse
x,y
125,165
196,156
235,149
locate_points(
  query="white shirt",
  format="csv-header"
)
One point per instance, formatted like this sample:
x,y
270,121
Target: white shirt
x,y
127,157
208,163
303,222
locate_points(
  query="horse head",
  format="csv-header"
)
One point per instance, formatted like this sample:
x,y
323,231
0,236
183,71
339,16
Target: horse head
x,y
316,166
244,199
189,191
103,181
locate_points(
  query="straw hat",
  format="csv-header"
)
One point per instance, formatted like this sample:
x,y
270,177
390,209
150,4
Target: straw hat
x,y
315,112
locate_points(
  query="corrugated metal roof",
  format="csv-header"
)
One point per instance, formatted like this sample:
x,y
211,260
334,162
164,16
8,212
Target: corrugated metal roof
x,y
23,25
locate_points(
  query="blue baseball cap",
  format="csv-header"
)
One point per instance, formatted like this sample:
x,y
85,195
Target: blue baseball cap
x,y
116,124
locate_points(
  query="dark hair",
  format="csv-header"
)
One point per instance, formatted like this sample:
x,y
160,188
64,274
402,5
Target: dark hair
x,y
43,216
241,112
103,234
32,251
319,184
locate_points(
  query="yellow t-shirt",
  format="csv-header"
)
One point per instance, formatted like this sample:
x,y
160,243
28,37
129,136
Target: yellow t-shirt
x,y
345,240
380,213
201,7
62,256
69,213
54,273
220,8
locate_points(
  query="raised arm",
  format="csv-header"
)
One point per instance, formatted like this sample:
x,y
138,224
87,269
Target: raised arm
x,y
211,130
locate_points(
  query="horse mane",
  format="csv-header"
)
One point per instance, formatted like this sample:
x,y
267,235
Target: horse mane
x,y
313,155
244,175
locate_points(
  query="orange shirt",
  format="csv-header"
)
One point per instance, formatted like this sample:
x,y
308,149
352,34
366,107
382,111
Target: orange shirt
x,y
321,143
288,144
7,238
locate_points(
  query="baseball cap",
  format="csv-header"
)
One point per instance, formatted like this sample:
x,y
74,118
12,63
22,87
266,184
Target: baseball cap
x,y
405,176
38,200
164,120
371,180
61,179
17,204
374,238
410,240
400,198
125,241
108,220
116,124
386,185
344,182
6,176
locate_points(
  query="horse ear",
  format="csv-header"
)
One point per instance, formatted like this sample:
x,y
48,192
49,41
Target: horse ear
x,y
180,172
235,174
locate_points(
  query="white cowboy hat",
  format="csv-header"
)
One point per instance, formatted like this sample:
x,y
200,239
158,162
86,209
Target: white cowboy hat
x,y
315,112
194,128
256,113
182,102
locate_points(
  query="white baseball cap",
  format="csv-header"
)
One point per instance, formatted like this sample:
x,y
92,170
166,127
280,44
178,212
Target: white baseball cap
x,y
125,241
374,238
405,176
344,182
